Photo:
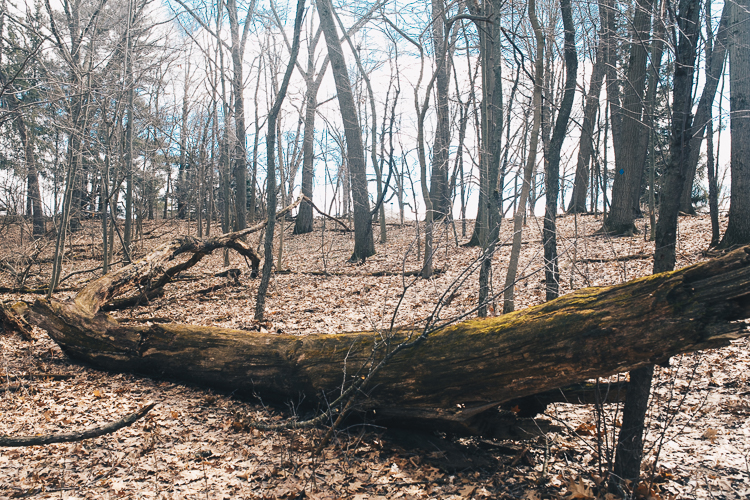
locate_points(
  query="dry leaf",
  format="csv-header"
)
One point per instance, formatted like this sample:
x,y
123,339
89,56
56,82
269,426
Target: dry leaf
x,y
532,495
467,491
578,489
643,492
710,434
585,429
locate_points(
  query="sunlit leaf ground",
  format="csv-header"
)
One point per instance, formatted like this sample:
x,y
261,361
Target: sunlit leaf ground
x,y
193,444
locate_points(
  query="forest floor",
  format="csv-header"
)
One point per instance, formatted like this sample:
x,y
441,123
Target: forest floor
x,y
192,446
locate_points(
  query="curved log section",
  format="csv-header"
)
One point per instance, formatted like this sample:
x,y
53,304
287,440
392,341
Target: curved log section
x,y
451,377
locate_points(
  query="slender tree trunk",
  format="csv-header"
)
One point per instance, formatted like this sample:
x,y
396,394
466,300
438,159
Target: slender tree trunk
x,y
363,241
128,236
271,177
240,151
439,188
714,69
713,189
552,177
515,252
304,222
33,194
181,187
657,51
254,176
586,144
128,160
224,156
492,133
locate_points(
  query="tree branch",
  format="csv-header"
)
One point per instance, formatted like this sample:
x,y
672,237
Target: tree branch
x,y
91,432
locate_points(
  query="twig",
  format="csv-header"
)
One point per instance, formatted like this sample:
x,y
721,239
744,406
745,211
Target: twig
x,y
31,376
93,269
619,258
14,387
37,291
308,200
91,432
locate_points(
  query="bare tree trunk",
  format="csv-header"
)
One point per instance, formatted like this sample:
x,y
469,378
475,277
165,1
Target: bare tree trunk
x,y
363,241
304,222
657,51
629,133
240,153
713,189
181,185
34,197
492,133
224,156
32,175
128,160
586,144
714,69
738,227
630,440
518,219
439,188
552,177
271,176
128,236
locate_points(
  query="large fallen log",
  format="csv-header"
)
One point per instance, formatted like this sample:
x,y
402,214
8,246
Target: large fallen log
x,y
451,378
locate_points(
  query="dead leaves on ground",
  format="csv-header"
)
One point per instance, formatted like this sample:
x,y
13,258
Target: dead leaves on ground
x,y
197,443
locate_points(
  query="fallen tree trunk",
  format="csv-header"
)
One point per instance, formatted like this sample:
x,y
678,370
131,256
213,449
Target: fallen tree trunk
x,y
451,378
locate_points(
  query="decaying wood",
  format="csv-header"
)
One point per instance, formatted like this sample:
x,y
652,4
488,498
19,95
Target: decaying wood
x,y
584,393
454,379
151,273
92,432
13,319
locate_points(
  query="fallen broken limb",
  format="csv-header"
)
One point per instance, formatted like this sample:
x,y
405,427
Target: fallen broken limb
x,y
12,318
89,433
451,379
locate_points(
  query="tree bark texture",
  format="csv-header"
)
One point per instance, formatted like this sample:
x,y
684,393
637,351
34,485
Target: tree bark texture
x,y
271,167
364,245
240,152
439,187
304,221
675,172
714,69
454,374
630,134
492,136
586,144
630,441
738,227
32,176
528,172
552,179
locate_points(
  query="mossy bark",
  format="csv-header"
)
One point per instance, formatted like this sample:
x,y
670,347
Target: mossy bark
x,y
452,376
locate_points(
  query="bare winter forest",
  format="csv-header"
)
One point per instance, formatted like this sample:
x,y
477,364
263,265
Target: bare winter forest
x,y
444,249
